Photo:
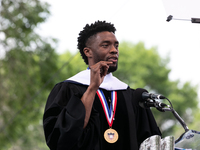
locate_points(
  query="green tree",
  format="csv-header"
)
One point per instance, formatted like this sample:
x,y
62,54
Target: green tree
x,y
73,63
25,73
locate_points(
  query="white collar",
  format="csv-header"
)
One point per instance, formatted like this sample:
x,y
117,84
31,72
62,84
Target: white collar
x,y
109,83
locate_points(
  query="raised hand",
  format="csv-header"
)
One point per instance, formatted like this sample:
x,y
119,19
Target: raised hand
x,y
98,72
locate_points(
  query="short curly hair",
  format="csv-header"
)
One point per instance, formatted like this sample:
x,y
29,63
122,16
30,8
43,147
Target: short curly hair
x,y
90,30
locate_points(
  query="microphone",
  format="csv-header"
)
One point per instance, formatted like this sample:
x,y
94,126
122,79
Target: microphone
x,y
146,95
152,104
143,96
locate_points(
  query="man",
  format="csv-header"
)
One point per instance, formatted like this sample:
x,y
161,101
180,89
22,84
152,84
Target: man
x,y
93,110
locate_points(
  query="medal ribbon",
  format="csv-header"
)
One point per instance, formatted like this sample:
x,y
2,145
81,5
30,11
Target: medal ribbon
x,y
109,113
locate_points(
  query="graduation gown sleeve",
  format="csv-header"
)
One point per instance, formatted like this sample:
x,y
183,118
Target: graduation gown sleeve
x,y
63,119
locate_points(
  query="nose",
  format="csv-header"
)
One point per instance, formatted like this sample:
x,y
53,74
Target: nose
x,y
114,49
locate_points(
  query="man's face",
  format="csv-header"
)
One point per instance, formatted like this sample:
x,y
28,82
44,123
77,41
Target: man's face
x,y
104,47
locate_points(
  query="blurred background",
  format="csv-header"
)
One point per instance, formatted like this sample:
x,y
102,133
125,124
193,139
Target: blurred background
x,y
38,49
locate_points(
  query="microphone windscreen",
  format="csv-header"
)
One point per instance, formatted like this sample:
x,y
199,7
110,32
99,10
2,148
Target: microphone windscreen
x,y
138,94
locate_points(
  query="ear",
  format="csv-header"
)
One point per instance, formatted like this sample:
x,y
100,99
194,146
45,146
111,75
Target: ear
x,y
88,52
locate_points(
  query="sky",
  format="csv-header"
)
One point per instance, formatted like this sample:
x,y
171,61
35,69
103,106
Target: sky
x,y
135,20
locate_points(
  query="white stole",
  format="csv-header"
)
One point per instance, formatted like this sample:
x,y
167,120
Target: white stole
x,y
109,83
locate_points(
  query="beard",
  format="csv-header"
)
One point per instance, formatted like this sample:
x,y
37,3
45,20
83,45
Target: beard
x,y
112,68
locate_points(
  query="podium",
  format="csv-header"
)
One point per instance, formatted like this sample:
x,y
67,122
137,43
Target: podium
x,y
156,143
190,140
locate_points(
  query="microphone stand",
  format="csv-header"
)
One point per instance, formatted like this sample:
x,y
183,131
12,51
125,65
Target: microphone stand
x,y
190,138
176,115
162,107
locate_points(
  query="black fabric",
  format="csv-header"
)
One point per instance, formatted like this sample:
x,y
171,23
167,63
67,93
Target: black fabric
x,y
64,115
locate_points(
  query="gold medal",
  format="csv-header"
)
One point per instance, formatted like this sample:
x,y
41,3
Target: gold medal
x,y
111,135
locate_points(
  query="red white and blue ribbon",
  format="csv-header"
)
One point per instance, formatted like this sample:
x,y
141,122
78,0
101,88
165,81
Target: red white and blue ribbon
x,y
109,112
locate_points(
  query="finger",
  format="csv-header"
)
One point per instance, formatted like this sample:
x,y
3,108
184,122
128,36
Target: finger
x,y
101,67
103,71
104,68
105,63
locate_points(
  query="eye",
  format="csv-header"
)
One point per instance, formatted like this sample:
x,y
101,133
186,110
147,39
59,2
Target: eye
x,y
104,45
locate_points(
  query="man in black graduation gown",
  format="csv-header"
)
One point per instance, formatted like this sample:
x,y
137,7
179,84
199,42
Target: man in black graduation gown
x,y
93,110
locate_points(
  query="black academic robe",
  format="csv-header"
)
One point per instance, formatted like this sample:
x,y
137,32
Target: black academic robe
x,y
64,115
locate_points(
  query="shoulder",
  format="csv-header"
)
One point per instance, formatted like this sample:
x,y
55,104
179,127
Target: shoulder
x,y
62,92
66,90
130,94
68,85
129,91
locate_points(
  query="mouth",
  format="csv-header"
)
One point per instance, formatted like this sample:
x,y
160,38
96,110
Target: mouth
x,y
113,59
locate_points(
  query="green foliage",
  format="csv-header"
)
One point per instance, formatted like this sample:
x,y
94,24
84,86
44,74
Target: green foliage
x,y
73,64
25,73
19,19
